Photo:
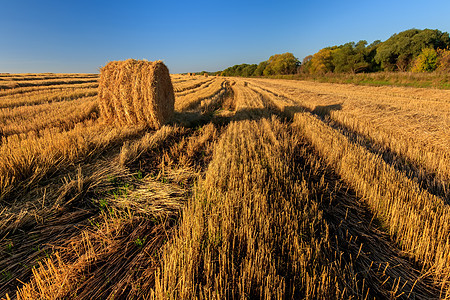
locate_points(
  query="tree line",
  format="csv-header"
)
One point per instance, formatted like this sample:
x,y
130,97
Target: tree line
x,y
413,50
278,64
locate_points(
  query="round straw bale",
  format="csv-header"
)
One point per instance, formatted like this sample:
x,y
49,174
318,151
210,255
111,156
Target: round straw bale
x,y
136,92
205,74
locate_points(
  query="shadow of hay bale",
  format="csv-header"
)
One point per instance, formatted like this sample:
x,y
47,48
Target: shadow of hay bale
x,y
325,110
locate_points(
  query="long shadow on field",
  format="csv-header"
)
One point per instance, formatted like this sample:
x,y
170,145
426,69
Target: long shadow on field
x,y
369,249
192,119
381,270
325,110
29,239
427,180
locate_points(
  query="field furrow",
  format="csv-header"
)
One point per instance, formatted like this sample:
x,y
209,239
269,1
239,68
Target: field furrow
x,y
412,134
189,84
256,188
128,250
51,96
32,119
249,227
194,88
33,77
39,89
202,98
53,82
415,219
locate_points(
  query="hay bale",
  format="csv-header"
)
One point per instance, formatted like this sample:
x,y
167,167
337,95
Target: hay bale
x,y
136,92
205,74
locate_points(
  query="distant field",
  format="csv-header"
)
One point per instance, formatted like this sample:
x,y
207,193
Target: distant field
x,y
258,188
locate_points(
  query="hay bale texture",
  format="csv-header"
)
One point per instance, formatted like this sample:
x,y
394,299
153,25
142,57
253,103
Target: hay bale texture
x,y
136,92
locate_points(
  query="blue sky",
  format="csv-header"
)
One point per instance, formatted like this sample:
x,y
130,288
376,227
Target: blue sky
x,y
81,36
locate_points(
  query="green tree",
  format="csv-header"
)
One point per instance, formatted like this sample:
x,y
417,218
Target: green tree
x,y
249,70
400,50
371,51
259,71
243,70
351,57
426,61
282,64
239,69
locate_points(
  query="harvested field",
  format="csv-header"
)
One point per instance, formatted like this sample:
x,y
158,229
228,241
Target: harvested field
x,y
255,189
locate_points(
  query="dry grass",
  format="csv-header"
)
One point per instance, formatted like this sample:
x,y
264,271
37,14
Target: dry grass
x,y
136,92
45,96
116,254
203,97
409,127
40,188
26,120
256,189
26,161
255,227
191,87
189,84
416,220
39,89
120,248
12,84
243,232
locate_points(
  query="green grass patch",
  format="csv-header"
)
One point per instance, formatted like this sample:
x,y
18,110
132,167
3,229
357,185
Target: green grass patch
x,y
403,79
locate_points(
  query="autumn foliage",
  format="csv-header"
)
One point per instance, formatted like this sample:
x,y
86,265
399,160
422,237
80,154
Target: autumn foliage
x,y
410,50
443,61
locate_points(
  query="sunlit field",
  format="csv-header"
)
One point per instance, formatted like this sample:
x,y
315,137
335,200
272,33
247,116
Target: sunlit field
x,y
256,189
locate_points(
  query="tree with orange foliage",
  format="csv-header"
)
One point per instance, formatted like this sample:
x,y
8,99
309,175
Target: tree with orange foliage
x,y
322,61
443,63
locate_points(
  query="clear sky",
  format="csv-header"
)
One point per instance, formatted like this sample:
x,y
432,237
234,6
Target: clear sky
x,y
81,36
